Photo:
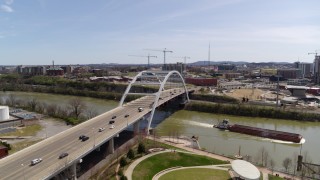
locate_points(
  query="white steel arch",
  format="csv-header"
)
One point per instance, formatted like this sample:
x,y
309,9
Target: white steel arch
x,y
157,94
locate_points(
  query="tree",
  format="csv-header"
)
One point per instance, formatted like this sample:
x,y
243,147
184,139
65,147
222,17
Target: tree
x,y
77,107
32,104
130,154
272,165
123,162
141,148
287,162
123,177
91,113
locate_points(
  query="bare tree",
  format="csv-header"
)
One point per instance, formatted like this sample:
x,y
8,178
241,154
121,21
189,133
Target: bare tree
x,y
77,107
266,158
272,165
33,103
52,109
91,113
40,108
11,100
287,162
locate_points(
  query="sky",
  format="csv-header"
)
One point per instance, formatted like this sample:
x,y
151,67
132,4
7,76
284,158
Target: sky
x,y
36,32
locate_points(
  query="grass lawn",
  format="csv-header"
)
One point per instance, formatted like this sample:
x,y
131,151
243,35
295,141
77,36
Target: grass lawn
x,y
21,145
197,174
271,177
151,166
25,131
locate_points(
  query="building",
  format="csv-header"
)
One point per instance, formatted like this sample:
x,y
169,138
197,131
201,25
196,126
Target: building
x,y
226,68
297,91
3,151
317,69
180,67
55,71
202,81
268,72
31,70
232,75
67,69
289,73
306,69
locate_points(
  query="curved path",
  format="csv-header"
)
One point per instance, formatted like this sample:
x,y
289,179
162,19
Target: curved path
x,y
157,176
130,169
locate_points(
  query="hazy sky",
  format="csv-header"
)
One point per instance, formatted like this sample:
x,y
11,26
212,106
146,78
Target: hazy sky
x,y
107,31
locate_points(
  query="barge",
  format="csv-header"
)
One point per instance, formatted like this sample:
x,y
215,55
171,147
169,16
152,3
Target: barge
x,y
254,131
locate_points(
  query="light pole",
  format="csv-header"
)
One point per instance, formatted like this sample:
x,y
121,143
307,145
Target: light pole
x,y
24,176
94,138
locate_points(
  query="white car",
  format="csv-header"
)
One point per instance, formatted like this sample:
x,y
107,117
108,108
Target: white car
x,y
36,161
101,129
112,126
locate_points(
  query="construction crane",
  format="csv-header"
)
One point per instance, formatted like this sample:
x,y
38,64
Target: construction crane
x,y
145,56
184,59
164,54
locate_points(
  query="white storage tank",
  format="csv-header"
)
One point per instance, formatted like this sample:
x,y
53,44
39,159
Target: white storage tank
x,y
4,113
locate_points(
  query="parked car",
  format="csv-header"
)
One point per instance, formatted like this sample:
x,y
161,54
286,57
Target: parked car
x,y
85,138
111,122
101,129
62,155
140,109
35,161
127,115
112,126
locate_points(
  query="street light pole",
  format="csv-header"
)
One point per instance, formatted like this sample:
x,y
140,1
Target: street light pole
x,y
24,176
94,138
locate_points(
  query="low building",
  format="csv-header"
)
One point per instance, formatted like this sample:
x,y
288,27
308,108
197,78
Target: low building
x,y
202,81
297,91
289,73
180,67
55,71
3,151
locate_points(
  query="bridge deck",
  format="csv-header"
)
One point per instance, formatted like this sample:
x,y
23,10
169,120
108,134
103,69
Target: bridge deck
x,y
17,166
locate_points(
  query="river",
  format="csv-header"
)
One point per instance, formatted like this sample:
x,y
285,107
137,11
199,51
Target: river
x,y
189,123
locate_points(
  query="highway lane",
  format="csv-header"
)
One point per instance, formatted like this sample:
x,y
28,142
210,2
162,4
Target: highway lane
x,y
68,141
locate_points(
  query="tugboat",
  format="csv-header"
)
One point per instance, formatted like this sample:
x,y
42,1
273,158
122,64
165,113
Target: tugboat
x,y
224,125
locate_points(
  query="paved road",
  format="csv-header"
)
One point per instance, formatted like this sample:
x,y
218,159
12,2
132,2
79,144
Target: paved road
x,y
17,166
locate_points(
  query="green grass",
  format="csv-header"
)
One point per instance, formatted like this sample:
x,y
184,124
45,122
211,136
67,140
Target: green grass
x,y
271,177
25,131
151,166
21,145
196,174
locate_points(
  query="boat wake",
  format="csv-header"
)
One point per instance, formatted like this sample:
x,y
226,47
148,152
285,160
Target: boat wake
x,y
198,124
284,142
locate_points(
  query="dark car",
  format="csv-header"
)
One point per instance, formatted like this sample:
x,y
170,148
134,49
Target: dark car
x,y
113,117
62,155
80,137
127,115
111,122
85,138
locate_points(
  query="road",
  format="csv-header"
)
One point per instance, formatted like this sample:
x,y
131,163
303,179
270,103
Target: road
x,y
17,166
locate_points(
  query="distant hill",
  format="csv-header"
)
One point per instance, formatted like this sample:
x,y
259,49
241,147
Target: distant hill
x,y
201,63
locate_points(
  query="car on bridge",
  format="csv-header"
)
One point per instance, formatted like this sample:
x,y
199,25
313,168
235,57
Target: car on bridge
x,y
35,161
127,115
111,122
101,129
113,117
62,155
112,127
83,137
140,109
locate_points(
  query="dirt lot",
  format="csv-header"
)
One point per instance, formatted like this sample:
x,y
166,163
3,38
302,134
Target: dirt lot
x,y
247,93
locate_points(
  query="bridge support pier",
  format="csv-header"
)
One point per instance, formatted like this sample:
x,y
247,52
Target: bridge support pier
x,y
136,127
74,171
111,146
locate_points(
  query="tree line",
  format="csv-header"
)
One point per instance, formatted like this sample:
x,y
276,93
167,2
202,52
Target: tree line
x,y
251,111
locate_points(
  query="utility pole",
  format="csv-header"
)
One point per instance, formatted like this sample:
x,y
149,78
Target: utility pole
x,y
209,56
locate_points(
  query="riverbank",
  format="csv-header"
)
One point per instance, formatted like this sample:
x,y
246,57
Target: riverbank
x,y
251,111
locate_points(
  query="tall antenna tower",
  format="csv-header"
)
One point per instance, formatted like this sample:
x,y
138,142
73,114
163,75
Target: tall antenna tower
x,y
209,56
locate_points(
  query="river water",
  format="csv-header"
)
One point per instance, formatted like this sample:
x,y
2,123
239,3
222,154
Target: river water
x,y
189,123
